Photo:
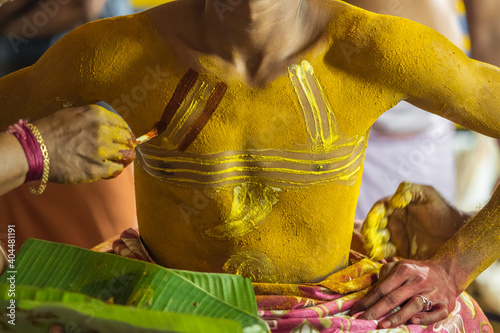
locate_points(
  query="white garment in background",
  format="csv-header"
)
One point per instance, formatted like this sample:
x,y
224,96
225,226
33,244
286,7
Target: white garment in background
x,y
407,144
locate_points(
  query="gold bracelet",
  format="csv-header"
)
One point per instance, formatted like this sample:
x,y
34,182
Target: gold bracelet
x,y
46,161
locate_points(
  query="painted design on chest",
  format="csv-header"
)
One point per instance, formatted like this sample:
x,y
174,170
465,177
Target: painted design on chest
x,y
322,126
328,157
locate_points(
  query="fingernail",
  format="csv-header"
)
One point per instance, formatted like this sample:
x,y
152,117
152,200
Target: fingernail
x,y
416,321
385,324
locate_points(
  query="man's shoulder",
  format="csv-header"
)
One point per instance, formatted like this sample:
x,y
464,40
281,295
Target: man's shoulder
x,y
109,44
358,36
349,22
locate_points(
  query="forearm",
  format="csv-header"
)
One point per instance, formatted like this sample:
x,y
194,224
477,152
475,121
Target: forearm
x,y
474,247
13,163
477,245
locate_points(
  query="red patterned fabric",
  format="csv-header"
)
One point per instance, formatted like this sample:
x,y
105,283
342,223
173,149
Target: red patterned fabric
x,y
324,307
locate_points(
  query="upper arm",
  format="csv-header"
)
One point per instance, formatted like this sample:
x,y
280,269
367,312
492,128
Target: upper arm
x,y
62,77
90,64
432,73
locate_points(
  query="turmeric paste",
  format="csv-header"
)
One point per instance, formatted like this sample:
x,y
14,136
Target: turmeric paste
x,y
291,146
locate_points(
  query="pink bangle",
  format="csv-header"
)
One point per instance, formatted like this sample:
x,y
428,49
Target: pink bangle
x,y
31,148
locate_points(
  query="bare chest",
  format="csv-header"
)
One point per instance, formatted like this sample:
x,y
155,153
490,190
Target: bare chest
x,y
301,129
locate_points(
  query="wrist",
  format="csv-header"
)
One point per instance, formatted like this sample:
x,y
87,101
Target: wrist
x,y
452,269
18,163
35,151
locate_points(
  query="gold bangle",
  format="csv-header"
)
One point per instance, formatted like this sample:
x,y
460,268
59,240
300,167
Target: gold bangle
x,y
46,161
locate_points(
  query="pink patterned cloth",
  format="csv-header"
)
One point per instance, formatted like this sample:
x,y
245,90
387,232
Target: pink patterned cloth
x,y
323,307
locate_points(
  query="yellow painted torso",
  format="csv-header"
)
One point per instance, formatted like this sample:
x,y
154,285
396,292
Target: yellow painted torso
x,y
266,180
277,168
269,186
269,226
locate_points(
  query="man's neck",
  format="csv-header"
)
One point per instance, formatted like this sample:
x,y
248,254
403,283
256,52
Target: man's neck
x,y
249,32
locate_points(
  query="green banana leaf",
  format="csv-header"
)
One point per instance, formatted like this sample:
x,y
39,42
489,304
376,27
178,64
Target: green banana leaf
x,y
136,284
37,310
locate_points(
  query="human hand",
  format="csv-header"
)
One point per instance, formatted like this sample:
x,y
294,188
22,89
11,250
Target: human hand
x,y
401,284
414,223
86,144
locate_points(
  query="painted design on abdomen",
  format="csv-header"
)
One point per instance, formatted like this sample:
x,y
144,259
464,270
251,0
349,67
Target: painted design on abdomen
x,y
252,203
252,264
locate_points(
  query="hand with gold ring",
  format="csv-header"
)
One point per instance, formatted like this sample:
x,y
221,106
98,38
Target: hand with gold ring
x,y
412,224
403,284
